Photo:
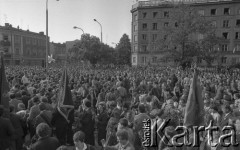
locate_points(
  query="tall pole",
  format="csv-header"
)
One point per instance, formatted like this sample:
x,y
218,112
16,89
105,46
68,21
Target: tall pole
x,y
100,26
46,35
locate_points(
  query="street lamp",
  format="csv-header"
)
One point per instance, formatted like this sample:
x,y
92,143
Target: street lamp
x,y
47,42
75,27
100,26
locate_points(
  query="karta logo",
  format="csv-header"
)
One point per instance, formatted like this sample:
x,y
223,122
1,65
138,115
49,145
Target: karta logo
x,y
155,132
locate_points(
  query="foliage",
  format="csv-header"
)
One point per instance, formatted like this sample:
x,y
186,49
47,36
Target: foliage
x,y
123,50
179,40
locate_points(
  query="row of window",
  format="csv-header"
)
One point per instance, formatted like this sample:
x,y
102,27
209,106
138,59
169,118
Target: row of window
x,y
165,14
145,48
34,52
225,24
199,60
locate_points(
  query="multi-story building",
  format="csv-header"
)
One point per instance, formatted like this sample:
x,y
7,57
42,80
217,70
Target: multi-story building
x,y
148,18
58,51
22,47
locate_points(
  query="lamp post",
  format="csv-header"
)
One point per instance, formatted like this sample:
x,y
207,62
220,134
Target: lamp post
x,y
75,27
47,42
100,26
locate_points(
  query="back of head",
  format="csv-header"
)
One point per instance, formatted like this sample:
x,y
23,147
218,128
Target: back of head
x,y
79,136
122,134
123,122
43,130
141,108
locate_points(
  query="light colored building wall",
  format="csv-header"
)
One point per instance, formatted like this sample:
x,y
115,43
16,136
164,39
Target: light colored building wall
x,y
143,45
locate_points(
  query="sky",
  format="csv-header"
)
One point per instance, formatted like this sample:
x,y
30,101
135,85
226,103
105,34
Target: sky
x,y
114,15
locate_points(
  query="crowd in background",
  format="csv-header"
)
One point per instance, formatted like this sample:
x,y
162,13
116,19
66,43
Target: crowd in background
x,y
111,103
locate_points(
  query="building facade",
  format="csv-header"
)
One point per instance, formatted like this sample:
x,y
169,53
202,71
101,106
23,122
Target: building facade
x,y
22,47
58,51
148,17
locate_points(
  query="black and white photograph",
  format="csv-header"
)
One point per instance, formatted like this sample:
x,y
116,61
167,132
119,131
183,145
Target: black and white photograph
x,y
119,74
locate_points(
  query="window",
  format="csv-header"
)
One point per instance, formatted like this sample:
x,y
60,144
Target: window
x,y
165,37
166,24
201,12
226,23
135,38
5,37
154,26
238,23
154,59
135,27
166,14
34,41
28,40
237,36
16,51
134,60
225,35
144,48
154,37
224,60
155,14
214,23
143,59
224,47
213,12
135,49
144,37
226,11
144,26
135,17
144,15
17,39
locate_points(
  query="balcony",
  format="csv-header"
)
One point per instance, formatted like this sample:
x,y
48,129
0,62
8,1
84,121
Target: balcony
x,y
162,3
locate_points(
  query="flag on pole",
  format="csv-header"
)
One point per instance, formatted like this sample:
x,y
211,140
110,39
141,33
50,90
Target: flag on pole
x,y
194,113
65,102
4,87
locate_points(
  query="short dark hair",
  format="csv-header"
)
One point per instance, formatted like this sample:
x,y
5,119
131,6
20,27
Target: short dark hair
x,y
12,96
35,99
123,122
79,136
122,134
43,130
141,108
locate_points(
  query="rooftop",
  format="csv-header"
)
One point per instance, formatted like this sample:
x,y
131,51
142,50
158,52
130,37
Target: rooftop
x,y
151,3
10,27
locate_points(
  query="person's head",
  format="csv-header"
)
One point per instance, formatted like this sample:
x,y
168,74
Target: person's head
x,y
126,106
12,96
226,109
44,100
123,123
42,106
35,100
102,106
21,106
86,104
78,138
43,130
141,108
170,102
122,136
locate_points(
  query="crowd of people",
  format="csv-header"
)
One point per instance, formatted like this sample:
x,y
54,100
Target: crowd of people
x,y
110,105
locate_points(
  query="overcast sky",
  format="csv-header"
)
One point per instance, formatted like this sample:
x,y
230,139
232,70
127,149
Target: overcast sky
x,y
114,15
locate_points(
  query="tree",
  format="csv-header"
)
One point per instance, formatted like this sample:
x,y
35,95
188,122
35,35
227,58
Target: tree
x,y
123,50
179,41
91,49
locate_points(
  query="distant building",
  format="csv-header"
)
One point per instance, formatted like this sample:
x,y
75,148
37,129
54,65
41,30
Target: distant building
x,y
22,47
148,17
58,51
